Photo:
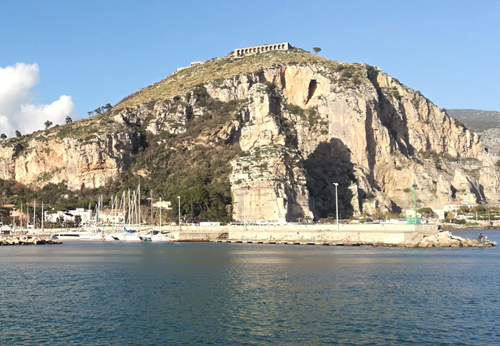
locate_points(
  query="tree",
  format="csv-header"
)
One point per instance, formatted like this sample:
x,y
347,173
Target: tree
x,y
69,120
316,50
427,212
18,134
107,107
91,113
3,136
48,124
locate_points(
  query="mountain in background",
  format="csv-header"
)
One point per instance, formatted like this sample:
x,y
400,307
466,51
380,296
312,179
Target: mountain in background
x,y
261,137
475,119
485,123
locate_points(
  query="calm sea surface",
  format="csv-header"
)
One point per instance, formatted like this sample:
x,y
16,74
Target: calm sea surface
x,y
122,293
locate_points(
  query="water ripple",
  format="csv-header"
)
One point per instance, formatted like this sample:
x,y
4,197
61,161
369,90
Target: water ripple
x,y
225,294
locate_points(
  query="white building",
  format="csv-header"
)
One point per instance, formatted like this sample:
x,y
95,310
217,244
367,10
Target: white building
x,y
85,216
111,216
58,216
455,206
165,205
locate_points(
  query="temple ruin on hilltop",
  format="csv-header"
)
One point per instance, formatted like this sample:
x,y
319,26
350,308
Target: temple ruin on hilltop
x,y
242,52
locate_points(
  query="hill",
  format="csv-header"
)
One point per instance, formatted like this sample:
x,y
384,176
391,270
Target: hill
x,y
476,120
266,136
485,123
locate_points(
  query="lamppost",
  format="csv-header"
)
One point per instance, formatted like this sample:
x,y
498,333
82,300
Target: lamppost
x,y
160,213
415,187
244,212
14,218
337,204
179,202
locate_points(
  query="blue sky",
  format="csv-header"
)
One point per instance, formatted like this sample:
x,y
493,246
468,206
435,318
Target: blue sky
x,y
101,51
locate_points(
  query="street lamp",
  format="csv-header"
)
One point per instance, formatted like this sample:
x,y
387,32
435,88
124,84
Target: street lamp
x,y
244,211
337,204
160,213
179,202
14,217
415,187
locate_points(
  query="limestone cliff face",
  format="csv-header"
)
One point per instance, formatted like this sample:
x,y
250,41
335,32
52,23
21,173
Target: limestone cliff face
x,y
301,127
269,180
91,162
374,137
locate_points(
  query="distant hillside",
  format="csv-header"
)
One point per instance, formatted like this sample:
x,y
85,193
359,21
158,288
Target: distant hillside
x,y
476,119
485,123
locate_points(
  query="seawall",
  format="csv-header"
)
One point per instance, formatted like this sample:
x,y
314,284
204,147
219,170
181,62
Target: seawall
x,y
362,233
358,233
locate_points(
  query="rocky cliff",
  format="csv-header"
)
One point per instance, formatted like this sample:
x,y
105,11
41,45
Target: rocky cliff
x,y
277,129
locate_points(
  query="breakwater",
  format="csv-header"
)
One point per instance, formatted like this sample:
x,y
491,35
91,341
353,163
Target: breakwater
x,y
361,233
6,240
345,235
401,235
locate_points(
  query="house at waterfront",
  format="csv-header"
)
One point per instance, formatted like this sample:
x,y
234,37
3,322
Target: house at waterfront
x,y
455,206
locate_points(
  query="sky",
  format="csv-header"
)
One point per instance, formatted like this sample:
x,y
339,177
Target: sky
x,y
66,58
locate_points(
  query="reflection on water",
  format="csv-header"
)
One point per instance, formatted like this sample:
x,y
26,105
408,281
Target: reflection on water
x,y
117,293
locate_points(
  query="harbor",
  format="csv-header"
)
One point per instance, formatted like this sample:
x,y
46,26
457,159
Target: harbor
x,y
168,293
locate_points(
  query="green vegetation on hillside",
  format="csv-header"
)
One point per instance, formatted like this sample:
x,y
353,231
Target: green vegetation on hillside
x,y
193,164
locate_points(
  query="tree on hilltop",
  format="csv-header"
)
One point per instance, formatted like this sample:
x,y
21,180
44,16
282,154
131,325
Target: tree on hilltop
x,y
3,136
18,133
48,124
69,120
316,50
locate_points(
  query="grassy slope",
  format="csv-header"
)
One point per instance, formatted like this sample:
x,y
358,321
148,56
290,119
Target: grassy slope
x,y
185,80
178,83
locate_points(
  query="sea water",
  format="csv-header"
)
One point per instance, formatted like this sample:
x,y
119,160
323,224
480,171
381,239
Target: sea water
x,y
123,293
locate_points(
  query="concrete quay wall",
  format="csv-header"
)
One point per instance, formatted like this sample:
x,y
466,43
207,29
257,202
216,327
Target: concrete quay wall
x,y
372,233
359,233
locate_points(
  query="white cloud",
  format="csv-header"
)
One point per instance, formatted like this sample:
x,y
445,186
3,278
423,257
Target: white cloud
x,y
17,111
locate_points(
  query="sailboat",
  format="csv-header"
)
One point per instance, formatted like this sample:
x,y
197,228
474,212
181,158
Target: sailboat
x,y
129,204
162,236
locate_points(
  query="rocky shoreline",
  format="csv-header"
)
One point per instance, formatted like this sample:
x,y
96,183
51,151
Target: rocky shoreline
x,y
26,240
445,239
441,240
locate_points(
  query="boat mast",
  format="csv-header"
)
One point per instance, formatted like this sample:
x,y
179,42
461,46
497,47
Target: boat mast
x,y
115,214
123,208
129,209
139,204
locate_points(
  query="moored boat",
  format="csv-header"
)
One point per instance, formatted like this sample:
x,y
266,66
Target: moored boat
x,y
68,235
